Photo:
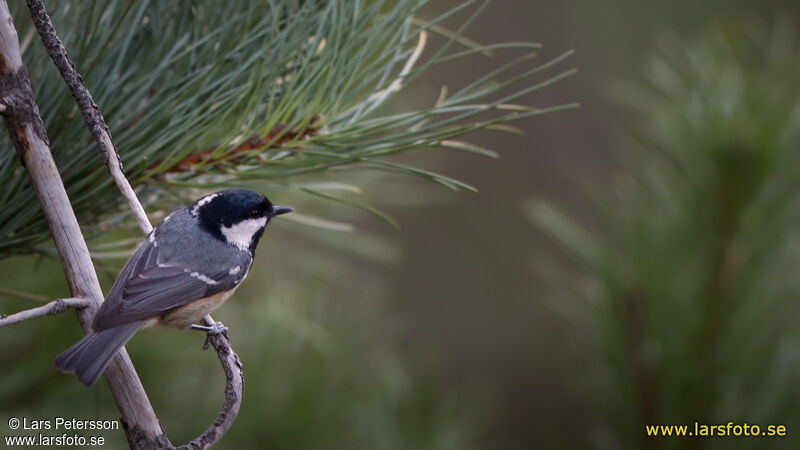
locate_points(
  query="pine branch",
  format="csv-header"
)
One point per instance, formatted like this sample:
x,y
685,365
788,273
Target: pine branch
x,y
91,113
271,93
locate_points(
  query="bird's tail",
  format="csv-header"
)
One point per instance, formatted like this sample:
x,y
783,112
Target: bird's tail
x,y
89,357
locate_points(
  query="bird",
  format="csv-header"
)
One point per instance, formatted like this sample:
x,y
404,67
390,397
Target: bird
x,y
185,268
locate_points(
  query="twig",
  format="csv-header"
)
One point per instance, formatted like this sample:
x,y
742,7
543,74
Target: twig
x,y
28,134
91,113
234,385
274,139
57,306
94,119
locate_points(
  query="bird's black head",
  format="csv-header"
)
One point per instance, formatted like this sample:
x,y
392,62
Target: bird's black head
x,y
236,216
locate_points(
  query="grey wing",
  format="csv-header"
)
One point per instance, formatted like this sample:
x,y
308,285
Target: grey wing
x,y
146,289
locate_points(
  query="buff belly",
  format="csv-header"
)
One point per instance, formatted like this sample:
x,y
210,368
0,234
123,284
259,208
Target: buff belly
x,y
185,316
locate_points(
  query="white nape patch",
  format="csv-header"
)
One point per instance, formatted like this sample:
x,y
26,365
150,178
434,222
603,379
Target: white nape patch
x,y
202,202
166,219
241,234
235,270
203,278
152,237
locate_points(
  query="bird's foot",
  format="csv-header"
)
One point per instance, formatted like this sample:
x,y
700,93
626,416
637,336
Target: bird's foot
x,y
217,328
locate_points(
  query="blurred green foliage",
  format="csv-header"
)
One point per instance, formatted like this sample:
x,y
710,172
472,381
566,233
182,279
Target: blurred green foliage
x,y
688,301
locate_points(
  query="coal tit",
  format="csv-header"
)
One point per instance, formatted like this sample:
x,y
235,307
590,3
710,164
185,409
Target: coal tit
x,y
186,268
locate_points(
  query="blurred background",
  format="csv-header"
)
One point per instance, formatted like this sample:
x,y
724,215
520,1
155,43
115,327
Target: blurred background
x,y
630,262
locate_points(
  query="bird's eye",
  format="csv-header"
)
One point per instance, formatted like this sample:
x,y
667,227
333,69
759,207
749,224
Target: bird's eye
x,y
254,213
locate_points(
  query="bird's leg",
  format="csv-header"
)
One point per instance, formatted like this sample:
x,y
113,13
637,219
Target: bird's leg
x,y
217,328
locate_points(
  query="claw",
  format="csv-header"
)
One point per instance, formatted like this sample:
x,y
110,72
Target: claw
x,y
217,328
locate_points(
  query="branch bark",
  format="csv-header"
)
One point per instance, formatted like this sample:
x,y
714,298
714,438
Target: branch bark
x,y
28,134
231,364
57,306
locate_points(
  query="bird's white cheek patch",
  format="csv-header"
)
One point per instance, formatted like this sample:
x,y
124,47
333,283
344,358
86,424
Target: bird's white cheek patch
x,y
241,234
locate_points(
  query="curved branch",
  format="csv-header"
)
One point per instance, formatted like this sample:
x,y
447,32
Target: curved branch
x,y
234,386
57,306
231,364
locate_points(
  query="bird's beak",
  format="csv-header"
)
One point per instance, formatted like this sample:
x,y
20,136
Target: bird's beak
x,y
278,210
